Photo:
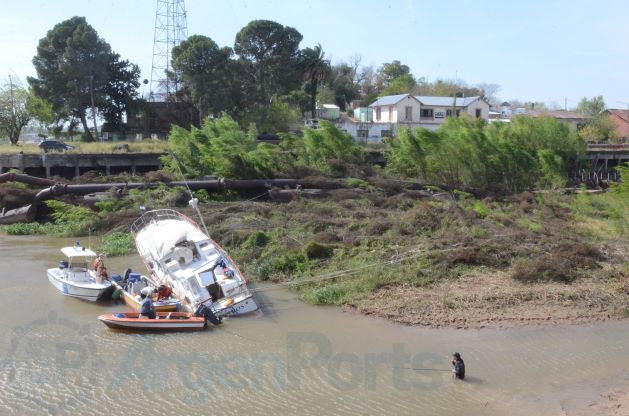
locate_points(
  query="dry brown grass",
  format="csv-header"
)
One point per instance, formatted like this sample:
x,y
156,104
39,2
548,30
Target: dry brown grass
x,y
486,298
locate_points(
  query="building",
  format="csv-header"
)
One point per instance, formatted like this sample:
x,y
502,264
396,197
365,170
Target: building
x,y
329,112
572,118
620,118
363,114
156,118
426,111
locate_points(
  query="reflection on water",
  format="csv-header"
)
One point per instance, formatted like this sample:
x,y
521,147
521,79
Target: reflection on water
x,y
292,358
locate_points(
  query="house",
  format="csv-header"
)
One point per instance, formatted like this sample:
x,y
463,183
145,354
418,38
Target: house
x,y
620,118
329,112
426,111
572,118
402,108
363,114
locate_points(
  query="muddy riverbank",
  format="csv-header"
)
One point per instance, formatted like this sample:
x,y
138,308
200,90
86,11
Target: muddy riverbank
x,y
490,299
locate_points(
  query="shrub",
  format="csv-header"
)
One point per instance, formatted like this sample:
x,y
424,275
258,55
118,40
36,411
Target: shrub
x,y
314,250
257,239
481,210
117,244
328,295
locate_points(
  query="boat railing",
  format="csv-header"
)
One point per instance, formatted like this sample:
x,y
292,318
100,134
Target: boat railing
x,y
154,216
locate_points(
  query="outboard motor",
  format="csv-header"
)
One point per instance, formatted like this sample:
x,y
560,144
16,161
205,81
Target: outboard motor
x,y
207,313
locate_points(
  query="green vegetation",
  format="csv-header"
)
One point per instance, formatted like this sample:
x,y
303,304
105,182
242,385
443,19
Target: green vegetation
x,y
77,71
501,157
18,107
220,147
117,244
69,221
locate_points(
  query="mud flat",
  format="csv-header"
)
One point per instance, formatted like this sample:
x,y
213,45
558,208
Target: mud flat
x,y
493,300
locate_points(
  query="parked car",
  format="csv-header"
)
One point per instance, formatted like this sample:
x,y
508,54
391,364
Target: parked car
x,y
53,144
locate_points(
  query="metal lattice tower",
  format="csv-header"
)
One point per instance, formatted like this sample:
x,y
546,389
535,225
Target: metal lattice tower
x,y
170,29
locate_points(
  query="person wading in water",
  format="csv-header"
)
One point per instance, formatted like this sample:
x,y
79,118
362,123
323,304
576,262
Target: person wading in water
x,y
458,370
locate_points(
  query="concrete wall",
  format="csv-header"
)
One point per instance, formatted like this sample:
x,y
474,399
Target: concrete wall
x,y
71,165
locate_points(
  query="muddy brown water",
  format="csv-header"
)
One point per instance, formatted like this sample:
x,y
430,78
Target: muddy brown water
x,y
290,359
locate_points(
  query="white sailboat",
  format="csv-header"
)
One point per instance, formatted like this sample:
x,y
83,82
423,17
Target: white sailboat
x,y
74,276
178,253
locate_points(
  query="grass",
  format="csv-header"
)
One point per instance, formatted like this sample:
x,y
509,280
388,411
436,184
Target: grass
x,y
144,146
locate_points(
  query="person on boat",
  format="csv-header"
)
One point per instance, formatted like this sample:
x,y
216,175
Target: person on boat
x,y
147,309
163,292
100,269
458,370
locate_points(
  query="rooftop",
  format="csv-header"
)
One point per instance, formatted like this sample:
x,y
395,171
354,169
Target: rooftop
x,y
426,100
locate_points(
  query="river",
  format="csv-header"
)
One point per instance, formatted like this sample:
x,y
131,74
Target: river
x,y
290,359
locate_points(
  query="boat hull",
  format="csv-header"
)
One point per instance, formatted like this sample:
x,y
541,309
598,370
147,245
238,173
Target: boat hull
x,y
88,291
242,305
171,321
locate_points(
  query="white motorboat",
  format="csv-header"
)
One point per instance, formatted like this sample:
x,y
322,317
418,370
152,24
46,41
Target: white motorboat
x,y
177,253
74,277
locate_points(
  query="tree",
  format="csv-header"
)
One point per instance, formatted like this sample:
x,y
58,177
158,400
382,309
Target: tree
x,y
316,69
490,92
446,88
599,129
77,71
118,91
269,54
18,107
343,81
390,71
592,107
207,73
400,85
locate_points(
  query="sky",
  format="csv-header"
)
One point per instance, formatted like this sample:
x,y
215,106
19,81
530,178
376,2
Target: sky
x,y
554,51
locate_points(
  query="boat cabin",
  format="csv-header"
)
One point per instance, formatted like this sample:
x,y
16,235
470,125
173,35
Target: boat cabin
x,y
77,266
201,269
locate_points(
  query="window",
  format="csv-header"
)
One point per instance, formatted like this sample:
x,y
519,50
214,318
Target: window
x,y
385,133
448,113
427,113
458,112
478,113
378,113
362,133
408,113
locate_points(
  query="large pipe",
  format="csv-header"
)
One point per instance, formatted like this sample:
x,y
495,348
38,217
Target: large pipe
x,y
31,180
29,212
